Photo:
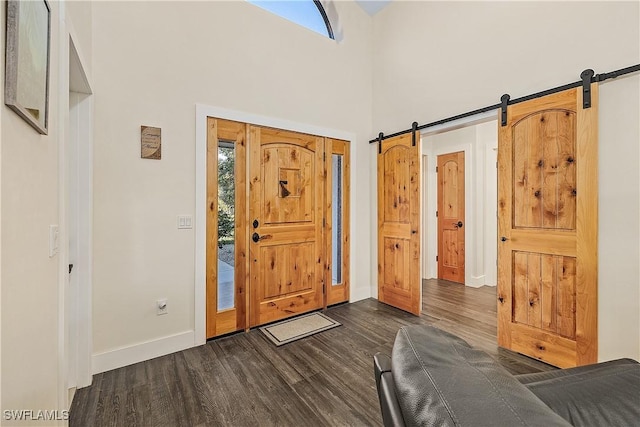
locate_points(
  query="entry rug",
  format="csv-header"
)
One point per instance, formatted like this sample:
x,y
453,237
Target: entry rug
x,y
300,327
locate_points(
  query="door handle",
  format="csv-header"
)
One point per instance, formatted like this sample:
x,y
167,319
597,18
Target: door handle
x,y
458,224
256,237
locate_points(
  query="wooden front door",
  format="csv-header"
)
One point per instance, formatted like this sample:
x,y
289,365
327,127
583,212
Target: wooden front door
x,y
399,281
286,189
547,229
451,218
226,231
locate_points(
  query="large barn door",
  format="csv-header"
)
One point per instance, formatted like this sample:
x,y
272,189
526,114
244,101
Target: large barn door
x,y
399,282
547,229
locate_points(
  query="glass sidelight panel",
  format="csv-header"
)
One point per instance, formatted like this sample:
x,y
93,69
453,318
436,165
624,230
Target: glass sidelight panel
x,y
226,225
336,220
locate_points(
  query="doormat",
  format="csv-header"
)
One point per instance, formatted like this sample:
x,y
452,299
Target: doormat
x,y
293,329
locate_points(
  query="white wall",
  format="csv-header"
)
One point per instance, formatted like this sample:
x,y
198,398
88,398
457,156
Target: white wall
x,y
28,205
477,141
437,59
619,219
79,23
464,55
153,61
32,197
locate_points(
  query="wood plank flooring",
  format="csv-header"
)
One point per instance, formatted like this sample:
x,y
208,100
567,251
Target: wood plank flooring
x,y
325,379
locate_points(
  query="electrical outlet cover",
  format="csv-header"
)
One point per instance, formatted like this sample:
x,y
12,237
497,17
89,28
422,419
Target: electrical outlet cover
x,y
161,307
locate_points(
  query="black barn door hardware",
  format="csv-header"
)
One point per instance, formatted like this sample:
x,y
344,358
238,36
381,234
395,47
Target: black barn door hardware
x,y
414,130
592,78
587,77
503,106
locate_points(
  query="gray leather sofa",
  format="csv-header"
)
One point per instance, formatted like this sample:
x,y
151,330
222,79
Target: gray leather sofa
x,y
434,378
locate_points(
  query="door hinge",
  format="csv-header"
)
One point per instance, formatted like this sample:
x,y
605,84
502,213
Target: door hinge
x,y
436,257
436,169
436,214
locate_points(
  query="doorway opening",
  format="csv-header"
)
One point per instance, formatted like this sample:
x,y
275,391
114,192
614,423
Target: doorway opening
x,y
472,242
76,260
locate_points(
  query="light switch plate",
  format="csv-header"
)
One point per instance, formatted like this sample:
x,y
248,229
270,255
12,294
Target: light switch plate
x,y
185,222
53,240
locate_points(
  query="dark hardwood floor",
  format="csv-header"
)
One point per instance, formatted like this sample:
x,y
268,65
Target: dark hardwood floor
x,y
325,379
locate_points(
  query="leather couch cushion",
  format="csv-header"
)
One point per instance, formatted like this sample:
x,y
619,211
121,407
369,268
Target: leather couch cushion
x,y
441,381
606,394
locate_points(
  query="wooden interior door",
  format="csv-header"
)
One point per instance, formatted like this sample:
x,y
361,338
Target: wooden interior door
x,y
226,278
547,225
451,217
399,258
337,221
286,209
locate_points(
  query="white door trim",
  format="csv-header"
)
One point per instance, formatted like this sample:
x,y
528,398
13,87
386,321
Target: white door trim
x,y
202,112
68,50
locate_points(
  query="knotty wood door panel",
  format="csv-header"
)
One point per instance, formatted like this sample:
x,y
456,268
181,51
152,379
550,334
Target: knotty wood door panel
x,y
547,225
451,217
286,203
219,322
399,281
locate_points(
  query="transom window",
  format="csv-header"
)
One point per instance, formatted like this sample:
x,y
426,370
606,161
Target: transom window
x,y
307,13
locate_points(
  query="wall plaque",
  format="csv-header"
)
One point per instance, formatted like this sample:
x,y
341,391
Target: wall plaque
x,y
150,143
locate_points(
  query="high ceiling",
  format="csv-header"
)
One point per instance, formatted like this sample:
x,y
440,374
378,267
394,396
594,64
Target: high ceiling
x,y
373,6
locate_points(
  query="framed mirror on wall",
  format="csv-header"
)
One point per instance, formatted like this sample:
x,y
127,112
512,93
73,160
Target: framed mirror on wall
x,y
27,61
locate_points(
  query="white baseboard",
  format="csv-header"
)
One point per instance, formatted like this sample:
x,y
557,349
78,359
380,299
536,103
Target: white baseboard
x,y
475,281
129,355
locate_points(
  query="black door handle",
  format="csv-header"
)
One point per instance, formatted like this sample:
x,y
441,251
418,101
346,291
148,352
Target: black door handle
x,y
256,237
458,224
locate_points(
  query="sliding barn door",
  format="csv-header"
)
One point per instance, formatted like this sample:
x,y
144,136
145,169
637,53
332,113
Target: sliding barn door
x,y
286,208
399,281
547,229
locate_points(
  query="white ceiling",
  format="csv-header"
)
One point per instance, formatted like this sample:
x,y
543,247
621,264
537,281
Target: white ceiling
x,y
372,6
